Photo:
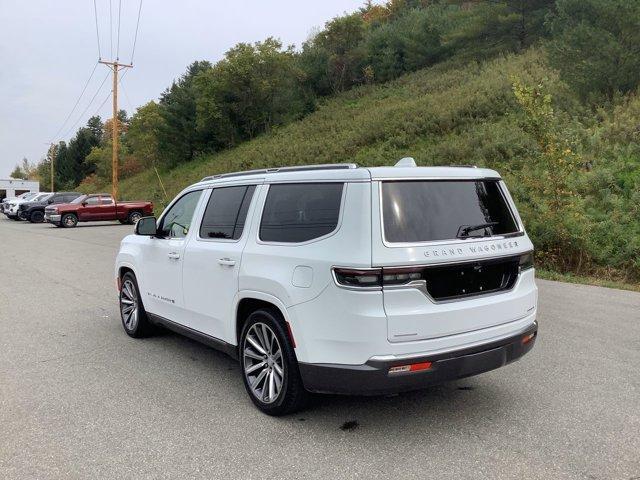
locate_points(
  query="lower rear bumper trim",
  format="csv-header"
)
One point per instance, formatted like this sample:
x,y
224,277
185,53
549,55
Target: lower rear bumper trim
x,y
373,378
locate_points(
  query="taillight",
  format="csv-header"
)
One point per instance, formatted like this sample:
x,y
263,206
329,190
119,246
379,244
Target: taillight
x,y
359,278
401,276
376,277
526,261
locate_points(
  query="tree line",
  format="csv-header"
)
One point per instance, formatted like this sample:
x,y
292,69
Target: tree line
x,y
256,88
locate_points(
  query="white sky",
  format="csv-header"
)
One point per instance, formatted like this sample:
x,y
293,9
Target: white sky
x,y
48,49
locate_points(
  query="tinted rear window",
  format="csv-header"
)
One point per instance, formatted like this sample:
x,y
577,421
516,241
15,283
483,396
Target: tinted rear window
x,y
226,212
422,211
300,212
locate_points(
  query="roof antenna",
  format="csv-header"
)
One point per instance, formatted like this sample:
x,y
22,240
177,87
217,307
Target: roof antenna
x,y
406,162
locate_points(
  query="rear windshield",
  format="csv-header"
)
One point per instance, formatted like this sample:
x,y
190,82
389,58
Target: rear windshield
x,y
423,211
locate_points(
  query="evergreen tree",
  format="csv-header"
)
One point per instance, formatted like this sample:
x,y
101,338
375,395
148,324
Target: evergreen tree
x,y
596,45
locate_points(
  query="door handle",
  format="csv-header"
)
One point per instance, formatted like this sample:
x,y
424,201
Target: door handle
x,y
226,261
174,255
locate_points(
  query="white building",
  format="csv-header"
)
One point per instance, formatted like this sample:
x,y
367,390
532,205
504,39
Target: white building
x,y
12,187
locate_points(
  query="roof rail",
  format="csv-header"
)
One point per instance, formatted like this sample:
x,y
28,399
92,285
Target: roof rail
x,y
301,168
462,166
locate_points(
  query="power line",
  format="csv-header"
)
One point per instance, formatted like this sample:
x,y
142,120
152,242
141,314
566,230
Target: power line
x,y
118,44
97,110
102,104
88,105
95,11
126,96
75,104
135,38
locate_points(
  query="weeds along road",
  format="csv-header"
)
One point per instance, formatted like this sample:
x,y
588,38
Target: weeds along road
x,y
80,399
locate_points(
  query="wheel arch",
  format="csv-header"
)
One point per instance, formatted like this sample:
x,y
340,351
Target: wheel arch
x,y
249,302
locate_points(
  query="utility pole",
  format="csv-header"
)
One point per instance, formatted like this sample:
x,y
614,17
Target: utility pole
x,y
53,159
115,68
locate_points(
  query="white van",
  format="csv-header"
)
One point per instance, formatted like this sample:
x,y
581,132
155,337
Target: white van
x,y
334,278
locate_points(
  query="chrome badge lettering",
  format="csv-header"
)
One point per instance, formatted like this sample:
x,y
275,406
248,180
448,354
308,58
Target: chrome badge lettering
x,y
471,249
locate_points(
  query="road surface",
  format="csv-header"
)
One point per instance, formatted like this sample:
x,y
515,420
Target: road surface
x,y
80,399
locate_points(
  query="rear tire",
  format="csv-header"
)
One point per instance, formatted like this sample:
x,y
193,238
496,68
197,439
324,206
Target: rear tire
x,y
36,217
269,366
69,220
134,318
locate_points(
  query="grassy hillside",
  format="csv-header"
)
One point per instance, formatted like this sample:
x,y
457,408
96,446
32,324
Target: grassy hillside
x,y
467,113
448,114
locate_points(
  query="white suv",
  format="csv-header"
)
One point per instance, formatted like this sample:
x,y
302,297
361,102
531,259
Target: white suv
x,y
12,208
333,278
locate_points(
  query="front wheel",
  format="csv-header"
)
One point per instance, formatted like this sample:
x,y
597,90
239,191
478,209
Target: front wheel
x,y
269,365
134,317
36,217
69,220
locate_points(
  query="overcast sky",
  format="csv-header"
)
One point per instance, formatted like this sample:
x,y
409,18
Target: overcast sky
x,y
49,48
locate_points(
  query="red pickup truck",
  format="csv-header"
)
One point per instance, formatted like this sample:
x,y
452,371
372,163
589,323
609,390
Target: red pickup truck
x,y
95,208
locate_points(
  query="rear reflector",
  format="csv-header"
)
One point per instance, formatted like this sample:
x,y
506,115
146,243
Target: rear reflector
x,y
527,338
414,367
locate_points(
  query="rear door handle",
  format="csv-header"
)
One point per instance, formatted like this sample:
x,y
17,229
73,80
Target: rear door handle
x,y
226,261
174,255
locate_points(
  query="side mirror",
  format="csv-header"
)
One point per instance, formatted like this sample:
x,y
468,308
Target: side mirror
x,y
84,204
147,226
50,201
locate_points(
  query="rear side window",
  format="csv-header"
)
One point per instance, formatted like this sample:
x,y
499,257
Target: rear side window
x,y
300,212
423,211
226,212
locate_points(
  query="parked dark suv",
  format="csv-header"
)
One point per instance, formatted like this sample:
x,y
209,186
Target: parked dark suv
x,y
34,211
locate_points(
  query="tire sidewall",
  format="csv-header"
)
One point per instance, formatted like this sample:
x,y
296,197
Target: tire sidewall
x,y
67,215
36,217
290,363
130,218
138,331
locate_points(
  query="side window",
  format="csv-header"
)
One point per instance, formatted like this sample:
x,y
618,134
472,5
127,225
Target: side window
x,y
92,201
177,221
299,212
59,199
226,212
106,200
69,198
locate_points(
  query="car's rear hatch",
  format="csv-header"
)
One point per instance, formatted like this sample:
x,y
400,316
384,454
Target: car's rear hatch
x,y
451,248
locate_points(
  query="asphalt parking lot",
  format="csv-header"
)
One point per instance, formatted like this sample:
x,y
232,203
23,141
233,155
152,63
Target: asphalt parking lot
x,y
80,399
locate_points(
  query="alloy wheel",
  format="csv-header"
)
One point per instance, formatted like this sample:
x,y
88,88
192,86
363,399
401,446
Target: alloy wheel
x,y
129,305
262,363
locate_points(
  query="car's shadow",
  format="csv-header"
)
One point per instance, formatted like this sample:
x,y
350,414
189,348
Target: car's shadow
x,y
455,405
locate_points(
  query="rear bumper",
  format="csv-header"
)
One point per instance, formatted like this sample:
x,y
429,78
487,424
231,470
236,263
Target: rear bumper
x,y
373,377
